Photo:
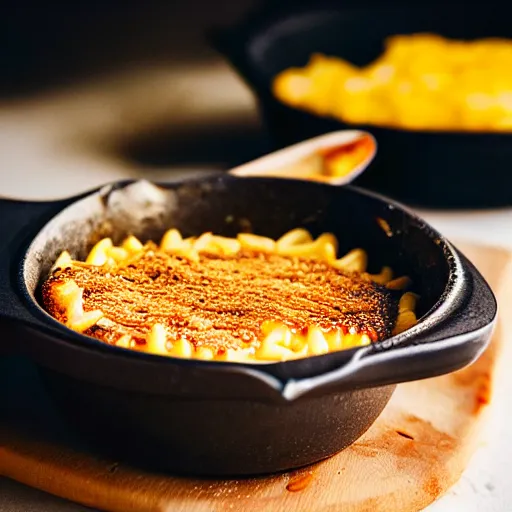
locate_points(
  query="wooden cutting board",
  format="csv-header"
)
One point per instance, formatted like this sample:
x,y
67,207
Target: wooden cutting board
x,y
414,452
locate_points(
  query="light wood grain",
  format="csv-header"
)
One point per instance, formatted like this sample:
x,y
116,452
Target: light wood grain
x,y
414,452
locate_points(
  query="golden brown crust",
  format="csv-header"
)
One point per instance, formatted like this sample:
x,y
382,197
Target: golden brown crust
x,y
222,301
51,300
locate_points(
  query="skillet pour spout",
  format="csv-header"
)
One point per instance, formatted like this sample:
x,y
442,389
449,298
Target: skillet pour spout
x,y
213,418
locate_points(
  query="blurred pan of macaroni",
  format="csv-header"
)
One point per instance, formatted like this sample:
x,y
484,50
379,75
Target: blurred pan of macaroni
x,y
420,82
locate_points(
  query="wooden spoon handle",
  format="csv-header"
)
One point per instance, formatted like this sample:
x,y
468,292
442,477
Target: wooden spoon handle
x,y
308,159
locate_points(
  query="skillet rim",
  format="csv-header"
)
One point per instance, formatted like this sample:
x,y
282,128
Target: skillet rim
x,y
437,314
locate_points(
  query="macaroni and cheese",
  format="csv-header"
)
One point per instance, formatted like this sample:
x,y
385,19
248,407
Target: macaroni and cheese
x,y
421,81
247,299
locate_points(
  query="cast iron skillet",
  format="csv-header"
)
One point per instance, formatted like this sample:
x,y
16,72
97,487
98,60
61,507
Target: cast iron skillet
x,y
199,417
434,169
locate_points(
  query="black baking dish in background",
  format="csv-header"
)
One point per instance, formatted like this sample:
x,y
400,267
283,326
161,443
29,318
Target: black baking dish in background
x,y
430,169
212,418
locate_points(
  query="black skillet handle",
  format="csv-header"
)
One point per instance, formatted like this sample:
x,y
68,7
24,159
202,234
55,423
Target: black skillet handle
x,y
454,344
19,222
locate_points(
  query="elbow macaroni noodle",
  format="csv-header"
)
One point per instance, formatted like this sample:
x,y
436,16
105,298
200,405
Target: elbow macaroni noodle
x,y
278,342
